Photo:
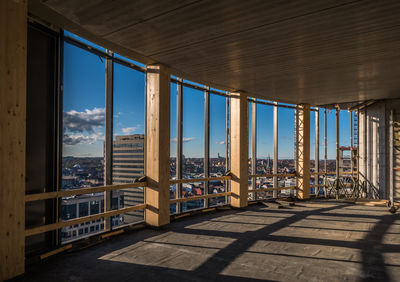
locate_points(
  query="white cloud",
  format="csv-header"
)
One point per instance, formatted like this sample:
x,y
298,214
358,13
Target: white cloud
x,y
129,130
88,120
76,139
188,139
220,142
184,139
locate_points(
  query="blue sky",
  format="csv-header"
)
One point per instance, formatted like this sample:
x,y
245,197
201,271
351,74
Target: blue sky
x,y
84,102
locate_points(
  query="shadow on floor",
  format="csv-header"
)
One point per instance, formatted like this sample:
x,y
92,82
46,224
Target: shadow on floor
x,y
257,243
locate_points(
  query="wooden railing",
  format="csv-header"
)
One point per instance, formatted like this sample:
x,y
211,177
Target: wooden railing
x,y
272,175
200,197
194,180
194,198
273,189
333,173
61,224
81,191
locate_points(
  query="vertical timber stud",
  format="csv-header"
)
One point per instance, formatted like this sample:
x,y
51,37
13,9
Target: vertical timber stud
x,y
13,40
391,160
179,145
108,144
351,144
253,147
157,145
239,149
303,151
228,143
325,151
296,150
337,152
316,176
206,143
275,141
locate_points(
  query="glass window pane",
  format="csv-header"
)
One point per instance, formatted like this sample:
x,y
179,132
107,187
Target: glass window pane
x,y
191,190
173,144
285,139
83,130
331,136
78,38
129,60
312,141
250,105
193,133
193,145
173,131
218,145
128,141
265,148
344,141
321,139
285,149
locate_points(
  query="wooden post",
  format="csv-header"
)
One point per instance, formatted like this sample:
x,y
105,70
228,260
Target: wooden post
x,y
303,146
239,150
13,40
157,145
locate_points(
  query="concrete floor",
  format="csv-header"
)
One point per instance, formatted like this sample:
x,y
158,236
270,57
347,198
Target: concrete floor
x,y
312,241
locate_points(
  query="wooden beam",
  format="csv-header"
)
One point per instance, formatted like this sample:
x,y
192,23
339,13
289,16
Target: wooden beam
x,y
175,181
273,175
273,189
333,173
13,57
157,145
303,147
56,251
239,142
172,201
61,224
74,192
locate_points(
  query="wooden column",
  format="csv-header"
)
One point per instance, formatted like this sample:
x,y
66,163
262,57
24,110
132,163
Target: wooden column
x,y
303,153
157,145
239,150
13,40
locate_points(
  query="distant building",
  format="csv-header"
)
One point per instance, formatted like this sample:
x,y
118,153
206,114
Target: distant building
x,y
128,166
85,205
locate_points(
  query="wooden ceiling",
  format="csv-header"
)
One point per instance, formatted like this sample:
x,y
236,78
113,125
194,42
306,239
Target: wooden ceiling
x,y
304,51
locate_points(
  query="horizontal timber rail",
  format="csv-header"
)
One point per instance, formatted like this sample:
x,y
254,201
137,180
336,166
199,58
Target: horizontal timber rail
x,y
194,198
61,224
74,192
317,185
273,189
273,175
193,180
333,172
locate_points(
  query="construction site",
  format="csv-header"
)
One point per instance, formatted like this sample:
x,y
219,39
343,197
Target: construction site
x,y
199,140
